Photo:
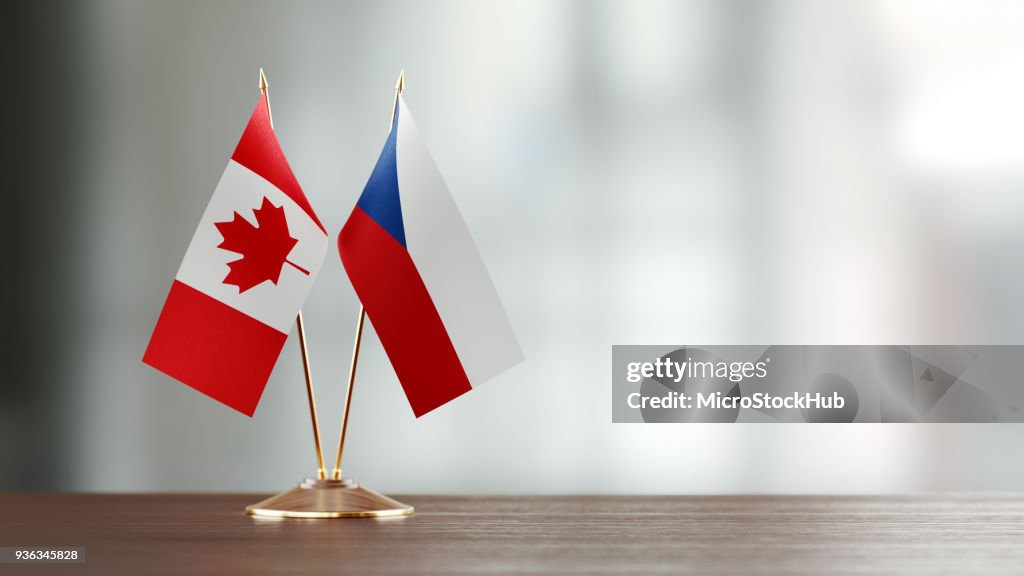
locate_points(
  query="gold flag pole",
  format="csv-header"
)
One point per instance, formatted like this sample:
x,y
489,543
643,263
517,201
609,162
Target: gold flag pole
x,y
335,497
336,472
320,471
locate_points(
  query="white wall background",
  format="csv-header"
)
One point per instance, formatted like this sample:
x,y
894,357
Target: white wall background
x,y
634,172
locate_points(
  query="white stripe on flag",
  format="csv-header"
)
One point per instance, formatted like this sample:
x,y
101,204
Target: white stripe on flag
x,y
449,263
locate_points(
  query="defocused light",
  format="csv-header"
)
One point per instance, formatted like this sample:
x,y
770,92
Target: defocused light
x,y
969,121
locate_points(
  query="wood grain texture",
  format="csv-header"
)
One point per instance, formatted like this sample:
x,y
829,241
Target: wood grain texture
x,y
209,534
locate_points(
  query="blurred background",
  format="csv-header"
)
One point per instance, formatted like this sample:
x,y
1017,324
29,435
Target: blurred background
x,y
652,172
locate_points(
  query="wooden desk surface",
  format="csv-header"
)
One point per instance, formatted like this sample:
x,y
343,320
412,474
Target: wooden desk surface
x,y
208,534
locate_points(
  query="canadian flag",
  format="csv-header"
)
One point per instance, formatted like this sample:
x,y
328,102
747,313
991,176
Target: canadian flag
x,y
244,278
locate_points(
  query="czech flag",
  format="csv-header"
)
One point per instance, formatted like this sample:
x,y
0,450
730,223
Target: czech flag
x,y
244,278
417,271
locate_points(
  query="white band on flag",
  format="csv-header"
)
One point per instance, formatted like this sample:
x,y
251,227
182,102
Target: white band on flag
x,y
205,265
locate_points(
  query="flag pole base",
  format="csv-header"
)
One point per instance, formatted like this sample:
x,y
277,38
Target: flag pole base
x,y
343,498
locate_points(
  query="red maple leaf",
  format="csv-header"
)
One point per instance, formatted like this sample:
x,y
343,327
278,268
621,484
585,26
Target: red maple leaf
x,y
264,247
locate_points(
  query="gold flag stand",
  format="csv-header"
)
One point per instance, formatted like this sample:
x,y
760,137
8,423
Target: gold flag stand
x,y
333,497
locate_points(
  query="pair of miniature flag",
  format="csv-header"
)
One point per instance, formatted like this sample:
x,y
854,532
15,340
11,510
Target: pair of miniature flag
x,y
405,248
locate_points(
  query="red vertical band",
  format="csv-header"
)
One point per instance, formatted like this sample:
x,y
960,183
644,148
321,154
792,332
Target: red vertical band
x,y
259,151
214,348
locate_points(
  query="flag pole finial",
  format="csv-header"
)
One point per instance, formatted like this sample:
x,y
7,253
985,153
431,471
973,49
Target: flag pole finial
x,y
399,86
266,94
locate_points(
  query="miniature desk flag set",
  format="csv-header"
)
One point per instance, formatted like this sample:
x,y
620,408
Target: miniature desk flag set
x,y
255,256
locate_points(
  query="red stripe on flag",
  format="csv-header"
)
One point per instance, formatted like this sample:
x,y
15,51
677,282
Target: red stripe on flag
x,y
214,348
403,314
259,151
